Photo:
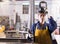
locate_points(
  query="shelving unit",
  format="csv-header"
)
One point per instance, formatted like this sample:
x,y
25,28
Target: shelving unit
x,y
16,34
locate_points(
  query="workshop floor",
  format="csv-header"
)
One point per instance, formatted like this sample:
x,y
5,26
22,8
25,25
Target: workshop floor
x,y
13,43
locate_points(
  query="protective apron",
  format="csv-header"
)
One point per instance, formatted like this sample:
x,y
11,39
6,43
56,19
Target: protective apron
x,y
42,36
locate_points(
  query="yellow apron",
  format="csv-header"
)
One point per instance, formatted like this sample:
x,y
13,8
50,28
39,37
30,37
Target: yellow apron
x,y
42,36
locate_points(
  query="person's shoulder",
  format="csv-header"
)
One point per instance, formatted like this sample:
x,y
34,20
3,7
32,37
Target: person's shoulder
x,y
34,24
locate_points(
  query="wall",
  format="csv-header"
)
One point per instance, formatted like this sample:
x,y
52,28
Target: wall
x,y
56,10
10,8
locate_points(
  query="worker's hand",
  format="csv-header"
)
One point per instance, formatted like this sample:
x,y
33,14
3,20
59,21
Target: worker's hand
x,y
56,31
48,16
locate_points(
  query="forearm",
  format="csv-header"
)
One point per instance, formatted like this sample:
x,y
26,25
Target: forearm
x,y
52,25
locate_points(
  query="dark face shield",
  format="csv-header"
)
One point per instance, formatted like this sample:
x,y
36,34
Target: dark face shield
x,y
43,4
42,11
43,7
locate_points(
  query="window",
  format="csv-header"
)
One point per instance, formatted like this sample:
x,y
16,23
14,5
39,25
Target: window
x,y
10,0
25,9
18,0
22,0
0,0
36,9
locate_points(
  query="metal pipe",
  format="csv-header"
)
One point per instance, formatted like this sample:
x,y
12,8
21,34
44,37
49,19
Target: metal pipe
x,y
32,12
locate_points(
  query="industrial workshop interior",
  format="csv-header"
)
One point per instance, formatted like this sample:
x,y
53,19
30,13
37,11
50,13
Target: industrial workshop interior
x,y
18,19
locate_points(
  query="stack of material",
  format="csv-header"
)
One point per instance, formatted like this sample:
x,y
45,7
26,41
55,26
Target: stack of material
x,y
2,35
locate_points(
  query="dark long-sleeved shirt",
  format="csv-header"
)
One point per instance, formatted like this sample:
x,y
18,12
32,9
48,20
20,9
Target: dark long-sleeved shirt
x,y
52,25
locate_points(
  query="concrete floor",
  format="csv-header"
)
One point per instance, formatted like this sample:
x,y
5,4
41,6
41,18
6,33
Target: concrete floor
x,y
3,40
8,43
13,43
